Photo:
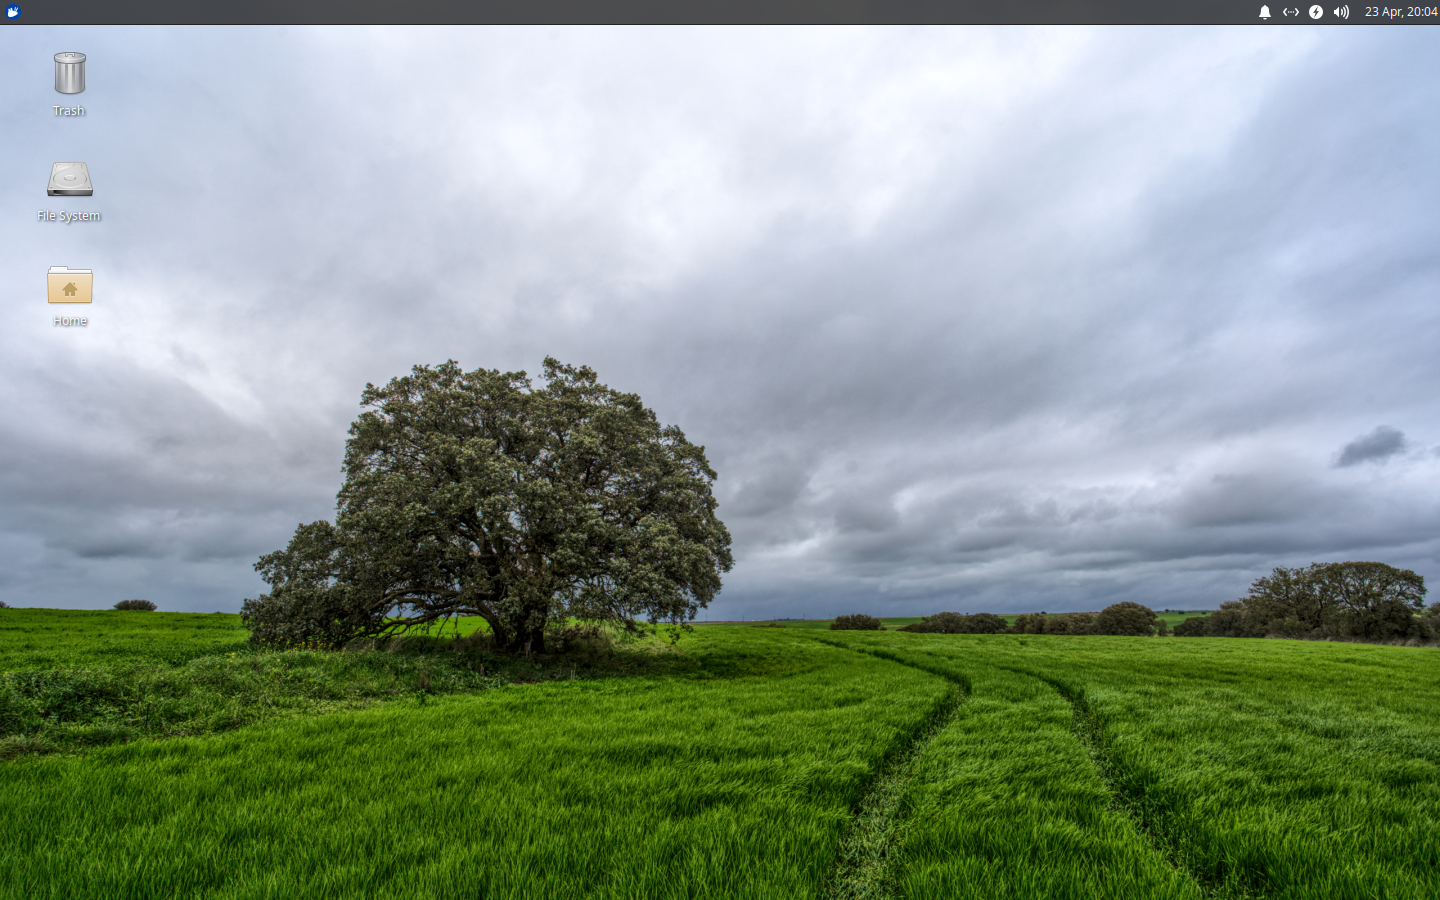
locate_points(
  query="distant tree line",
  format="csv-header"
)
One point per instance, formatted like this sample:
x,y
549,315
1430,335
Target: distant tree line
x,y
1364,601
1125,618
957,623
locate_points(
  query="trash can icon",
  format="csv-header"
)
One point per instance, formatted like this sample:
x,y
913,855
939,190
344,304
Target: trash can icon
x,y
70,72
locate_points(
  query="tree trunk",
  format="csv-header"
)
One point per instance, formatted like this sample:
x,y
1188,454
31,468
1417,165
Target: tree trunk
x,y
527,641
499,637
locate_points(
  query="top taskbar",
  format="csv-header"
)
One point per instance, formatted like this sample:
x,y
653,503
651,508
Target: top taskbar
x,y
710,12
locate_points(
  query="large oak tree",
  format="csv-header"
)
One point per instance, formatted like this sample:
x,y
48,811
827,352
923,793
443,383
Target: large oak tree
x,y
481,494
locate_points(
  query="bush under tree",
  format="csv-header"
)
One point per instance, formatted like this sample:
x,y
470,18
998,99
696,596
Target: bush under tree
x,y
480,494
857,622
141,605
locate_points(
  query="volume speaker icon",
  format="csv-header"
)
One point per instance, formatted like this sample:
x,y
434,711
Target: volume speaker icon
x,y
1342,12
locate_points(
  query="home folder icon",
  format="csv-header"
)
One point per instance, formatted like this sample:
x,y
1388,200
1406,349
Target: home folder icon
x,y
69,285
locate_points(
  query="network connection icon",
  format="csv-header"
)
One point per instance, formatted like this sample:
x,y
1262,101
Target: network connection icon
x,y
12,11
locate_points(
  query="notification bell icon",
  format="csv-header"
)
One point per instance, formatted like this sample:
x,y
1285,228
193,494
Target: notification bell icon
x,y
1264,12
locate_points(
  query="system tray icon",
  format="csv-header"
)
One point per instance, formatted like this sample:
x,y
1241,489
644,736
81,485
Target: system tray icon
x,y
70,180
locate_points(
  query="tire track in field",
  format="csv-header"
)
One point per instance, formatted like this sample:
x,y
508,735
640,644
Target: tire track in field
x,y
1146,815
864,865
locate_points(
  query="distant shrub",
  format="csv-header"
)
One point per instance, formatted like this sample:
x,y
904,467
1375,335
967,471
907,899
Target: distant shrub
x,y
955,623
1128,617
141,605
1069,623
1029,623
858,622
4,605
1230,620
1196,627
1427,624
940,623
1426,629
987,623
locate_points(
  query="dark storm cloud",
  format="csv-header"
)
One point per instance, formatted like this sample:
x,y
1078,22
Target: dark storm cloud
x,y
1377,446
986,319
1250,498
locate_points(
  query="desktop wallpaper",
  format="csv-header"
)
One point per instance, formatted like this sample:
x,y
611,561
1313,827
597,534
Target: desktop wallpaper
x,y
966,318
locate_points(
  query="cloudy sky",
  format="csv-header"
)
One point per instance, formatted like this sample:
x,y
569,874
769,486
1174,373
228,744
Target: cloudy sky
x,y
970,319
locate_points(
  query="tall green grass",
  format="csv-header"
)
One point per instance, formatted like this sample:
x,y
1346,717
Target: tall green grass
x,y
733,780
1005,802
1278,769
1261,769
736,766
77,680
72,638
75,708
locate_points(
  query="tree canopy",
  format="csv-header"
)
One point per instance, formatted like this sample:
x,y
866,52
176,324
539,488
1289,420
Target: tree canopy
x,y
1365,600
481,494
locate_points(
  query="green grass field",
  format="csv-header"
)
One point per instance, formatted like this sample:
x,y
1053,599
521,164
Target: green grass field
x,y
745,762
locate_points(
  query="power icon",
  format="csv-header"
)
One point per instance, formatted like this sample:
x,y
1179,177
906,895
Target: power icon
x,y
1317,11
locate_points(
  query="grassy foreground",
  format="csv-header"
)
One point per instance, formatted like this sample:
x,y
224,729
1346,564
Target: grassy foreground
x,y
753,762
72,680
1290,769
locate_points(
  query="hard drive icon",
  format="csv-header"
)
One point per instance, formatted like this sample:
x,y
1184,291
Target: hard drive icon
x,y
70,180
